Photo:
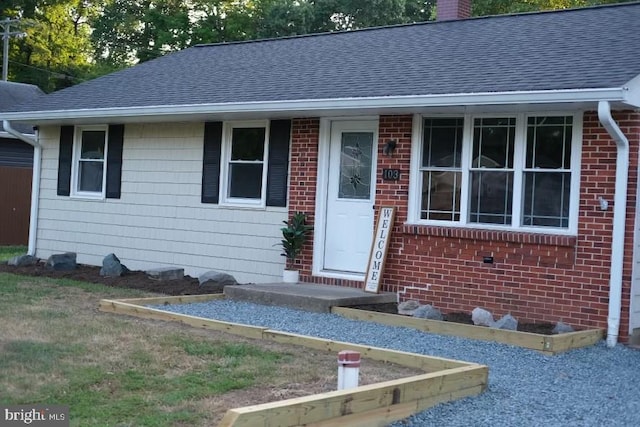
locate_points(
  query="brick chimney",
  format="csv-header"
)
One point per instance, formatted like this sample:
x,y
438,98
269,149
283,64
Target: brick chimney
x,y
448,10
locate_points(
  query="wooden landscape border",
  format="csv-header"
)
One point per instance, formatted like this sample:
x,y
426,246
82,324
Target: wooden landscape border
x,y
371,405
547,344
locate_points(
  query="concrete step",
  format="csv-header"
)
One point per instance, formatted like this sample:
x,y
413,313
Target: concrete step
x,y
304,296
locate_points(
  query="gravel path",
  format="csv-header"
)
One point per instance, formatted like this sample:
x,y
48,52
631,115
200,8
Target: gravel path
x,y
595,386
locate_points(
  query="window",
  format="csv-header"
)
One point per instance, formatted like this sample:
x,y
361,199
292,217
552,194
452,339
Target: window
x,y
441,169
547,172
497,171
89,165
356,150
491,171
244,166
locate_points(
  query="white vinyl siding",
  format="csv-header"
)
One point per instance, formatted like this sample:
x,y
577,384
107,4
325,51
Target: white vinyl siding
x,y
159,219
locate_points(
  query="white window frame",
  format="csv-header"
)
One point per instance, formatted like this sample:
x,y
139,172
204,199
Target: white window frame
x,y
75,165
227,135
415,184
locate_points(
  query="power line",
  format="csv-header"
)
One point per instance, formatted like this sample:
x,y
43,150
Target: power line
x,y
52,73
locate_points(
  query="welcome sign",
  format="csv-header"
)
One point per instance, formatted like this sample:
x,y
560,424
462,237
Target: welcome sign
x,y
379,248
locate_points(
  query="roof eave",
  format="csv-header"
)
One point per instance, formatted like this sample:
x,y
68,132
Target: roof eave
x,y
628,94
633,92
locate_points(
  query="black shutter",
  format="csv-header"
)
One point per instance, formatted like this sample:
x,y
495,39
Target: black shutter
x,y
279,137
114,161
211,162
64,160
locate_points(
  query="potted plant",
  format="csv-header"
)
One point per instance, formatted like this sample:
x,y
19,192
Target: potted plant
x,y
293,237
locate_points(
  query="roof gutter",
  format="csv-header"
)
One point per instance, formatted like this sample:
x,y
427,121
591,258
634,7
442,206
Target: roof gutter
x,y
344,104
35,181
21,136
619,218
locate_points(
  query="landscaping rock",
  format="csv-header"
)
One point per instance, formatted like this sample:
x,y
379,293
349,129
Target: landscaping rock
x,y
216,281
507,322
562,328
23,260
112,267
165,273
62,262
482,317
408,307
428,312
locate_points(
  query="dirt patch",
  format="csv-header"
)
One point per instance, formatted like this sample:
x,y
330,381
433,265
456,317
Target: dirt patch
x,y
460,317
536,328
132,280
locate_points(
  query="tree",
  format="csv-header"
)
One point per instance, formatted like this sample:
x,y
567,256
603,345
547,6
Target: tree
x,y
353,14
56,49
130,30
277,18
499,7
216,21
72,40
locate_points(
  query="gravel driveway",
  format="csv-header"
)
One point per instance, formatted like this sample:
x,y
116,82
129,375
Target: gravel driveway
x,y
595,386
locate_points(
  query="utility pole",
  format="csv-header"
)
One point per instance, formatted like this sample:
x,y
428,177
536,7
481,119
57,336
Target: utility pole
x,y
6,34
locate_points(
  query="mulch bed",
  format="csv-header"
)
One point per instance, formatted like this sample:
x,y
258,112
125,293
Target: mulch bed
x,y
190,286
459,317
132,280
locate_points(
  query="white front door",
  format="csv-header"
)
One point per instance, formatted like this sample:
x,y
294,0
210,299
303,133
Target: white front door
x,y
350,196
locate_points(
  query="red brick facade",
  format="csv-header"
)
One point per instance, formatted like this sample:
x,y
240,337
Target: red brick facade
x,y
303,175
534,277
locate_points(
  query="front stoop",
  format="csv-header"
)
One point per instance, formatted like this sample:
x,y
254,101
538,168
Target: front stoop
x,y
304,296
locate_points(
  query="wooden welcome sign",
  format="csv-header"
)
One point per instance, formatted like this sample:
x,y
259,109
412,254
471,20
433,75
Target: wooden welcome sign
x,y
379,248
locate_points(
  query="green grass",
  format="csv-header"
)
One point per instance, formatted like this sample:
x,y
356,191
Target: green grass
x,y
55,348
32,355
8,252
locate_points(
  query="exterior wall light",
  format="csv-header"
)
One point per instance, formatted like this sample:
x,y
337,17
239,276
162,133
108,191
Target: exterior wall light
x,y
390,147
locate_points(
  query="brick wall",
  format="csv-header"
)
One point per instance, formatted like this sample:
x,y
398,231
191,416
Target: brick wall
x,y
534,277
302,180
453,9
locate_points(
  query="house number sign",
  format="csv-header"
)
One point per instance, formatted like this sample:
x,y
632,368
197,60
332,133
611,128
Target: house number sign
x,y
379,248
390,174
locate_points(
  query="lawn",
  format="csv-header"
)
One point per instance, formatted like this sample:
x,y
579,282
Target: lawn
x,y
56,348
8,252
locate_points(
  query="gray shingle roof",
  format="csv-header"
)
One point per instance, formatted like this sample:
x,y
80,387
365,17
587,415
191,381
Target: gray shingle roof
x,y
13,94
576,49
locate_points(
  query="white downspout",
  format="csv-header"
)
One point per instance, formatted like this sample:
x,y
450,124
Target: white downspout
x,y
619,218
35,182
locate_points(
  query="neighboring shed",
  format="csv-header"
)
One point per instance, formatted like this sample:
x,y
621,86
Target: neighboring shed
x,y
16,160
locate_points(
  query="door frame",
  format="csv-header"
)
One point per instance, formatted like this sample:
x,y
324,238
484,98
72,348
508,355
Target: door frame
x,y
322,192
